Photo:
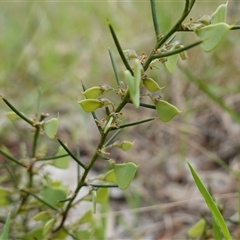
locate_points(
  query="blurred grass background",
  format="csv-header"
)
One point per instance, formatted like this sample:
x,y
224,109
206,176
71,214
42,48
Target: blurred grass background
x,y
48,48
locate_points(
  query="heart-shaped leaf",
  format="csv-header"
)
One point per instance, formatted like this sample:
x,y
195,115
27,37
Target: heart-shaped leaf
x,y
151,85
125,173
90,105
212,35
171,62
165,110
51,127
220,14
63,162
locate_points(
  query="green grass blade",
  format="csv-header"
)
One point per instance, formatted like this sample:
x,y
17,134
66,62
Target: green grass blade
x,y
216,231
5,232
210,203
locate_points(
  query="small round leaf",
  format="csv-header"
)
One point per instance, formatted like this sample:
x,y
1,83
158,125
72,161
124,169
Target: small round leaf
x,y
151,85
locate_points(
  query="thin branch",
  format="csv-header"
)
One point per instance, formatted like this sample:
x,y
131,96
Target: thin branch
x,y
53,157
176,51
135,123
114,67
155,20
70,153
120,51
22,116
112,137
12,159
38,198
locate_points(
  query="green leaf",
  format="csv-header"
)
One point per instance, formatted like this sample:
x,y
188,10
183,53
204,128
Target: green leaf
x,y
165,110
93,92
87,217
53,195
151,85
63,162
83,234
102,195
197,229
212,35
34,234
43,216
6,227
210,203
4,194
110,176
90,105
171,62
12,116
220,14
216,231
125,173
48,226
124,145
51,127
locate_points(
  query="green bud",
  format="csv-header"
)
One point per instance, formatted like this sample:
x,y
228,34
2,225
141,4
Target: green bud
x,y
151,85
131,54
90,105
165,110
204,19
48,225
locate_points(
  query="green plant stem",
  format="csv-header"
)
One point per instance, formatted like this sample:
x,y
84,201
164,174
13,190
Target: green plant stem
x,y
176,51
38,198
164,38
53,157
155,20
12,159
22,116
103,186
112,137
147,106
70,153
114,68
119,48
125,100
135,123
81,183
